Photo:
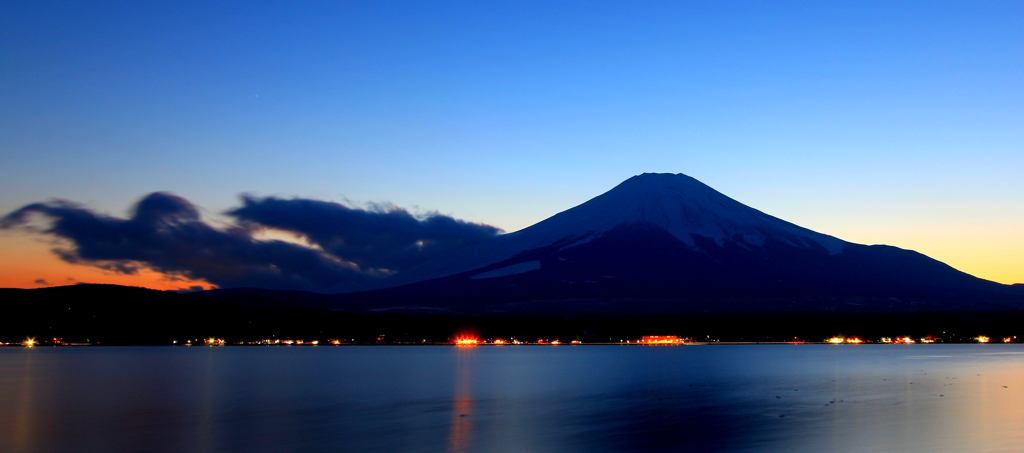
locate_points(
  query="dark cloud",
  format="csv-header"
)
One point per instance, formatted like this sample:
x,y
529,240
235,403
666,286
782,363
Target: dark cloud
x,y
41,281
165,233
382,237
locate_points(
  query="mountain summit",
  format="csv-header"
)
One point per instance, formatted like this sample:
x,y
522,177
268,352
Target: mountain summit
x,y
670,237
686,208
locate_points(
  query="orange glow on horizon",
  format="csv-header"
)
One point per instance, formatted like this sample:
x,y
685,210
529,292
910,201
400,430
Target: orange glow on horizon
x,y
26,262
984,249
467,341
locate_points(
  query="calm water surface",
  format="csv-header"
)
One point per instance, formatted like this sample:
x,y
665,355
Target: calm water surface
x,y
799,398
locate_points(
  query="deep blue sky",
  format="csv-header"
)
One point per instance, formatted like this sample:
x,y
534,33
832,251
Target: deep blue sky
x,y
876,122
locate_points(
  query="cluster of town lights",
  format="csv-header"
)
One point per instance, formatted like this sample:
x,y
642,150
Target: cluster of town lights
x,y
661,340
908,340
847,340
900,340
674,340
474,341
468,340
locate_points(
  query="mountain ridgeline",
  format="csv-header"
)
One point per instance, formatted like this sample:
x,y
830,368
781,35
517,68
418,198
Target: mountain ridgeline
x,y
658,253
667,242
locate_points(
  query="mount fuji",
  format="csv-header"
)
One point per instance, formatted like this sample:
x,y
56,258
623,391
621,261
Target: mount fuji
x,y
669,242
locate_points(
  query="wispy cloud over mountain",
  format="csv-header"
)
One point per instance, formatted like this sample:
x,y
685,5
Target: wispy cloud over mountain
x,y
166,233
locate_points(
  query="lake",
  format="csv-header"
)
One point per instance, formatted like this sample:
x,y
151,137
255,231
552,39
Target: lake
x,y
717,398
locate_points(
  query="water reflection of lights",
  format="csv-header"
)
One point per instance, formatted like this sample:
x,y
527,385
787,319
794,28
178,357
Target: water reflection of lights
x,y
462,404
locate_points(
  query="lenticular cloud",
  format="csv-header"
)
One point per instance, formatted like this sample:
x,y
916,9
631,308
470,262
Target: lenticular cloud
x,y
165,233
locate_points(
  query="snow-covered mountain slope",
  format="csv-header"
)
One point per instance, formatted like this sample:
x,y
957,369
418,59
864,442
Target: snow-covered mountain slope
x,y
687,209
682,206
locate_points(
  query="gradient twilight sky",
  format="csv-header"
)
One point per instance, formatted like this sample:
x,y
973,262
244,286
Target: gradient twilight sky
x,y
899,123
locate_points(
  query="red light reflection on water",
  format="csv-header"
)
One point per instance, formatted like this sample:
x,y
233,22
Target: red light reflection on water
x,y
462,405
